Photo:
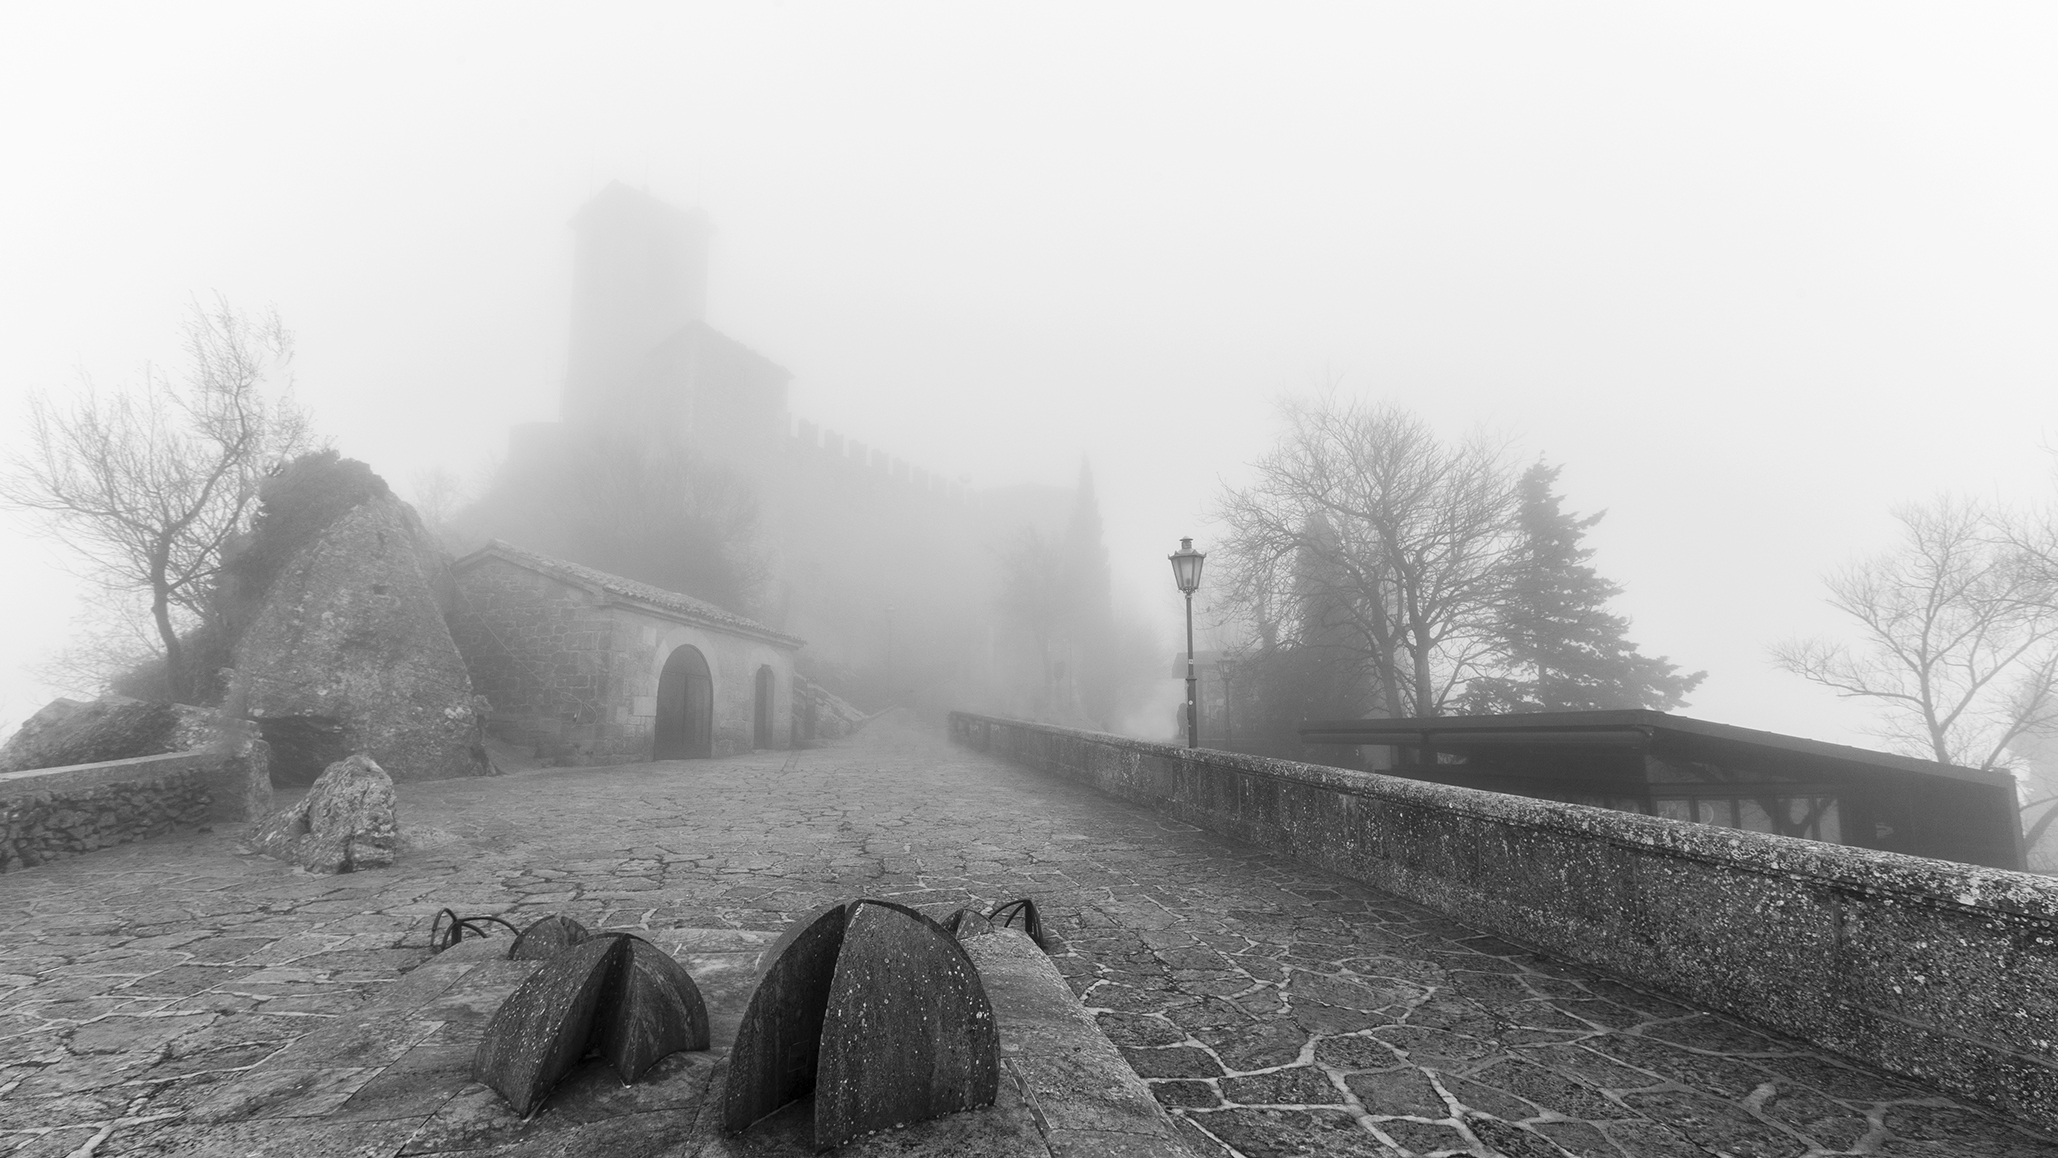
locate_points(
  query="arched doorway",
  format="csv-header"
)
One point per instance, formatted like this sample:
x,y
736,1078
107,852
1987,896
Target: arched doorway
x,y
685,707
761,718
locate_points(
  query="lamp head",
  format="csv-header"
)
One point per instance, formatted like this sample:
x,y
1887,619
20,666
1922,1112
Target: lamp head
x,y
1186,566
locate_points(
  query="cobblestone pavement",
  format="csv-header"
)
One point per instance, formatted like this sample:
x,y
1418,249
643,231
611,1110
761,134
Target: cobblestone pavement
x,y
1276,1009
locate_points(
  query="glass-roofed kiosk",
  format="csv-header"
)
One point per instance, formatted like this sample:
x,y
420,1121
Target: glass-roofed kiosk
x,y
1686,769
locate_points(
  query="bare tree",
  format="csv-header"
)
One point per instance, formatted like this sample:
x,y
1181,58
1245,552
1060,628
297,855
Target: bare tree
x,y
148,486
438,497
1365,531
1958,637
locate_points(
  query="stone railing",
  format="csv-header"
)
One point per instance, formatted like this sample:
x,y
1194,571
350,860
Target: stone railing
x,y
1939,971
48,813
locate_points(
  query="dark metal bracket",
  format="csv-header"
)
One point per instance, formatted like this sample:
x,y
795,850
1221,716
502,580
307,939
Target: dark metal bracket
x,y
970,922
448,929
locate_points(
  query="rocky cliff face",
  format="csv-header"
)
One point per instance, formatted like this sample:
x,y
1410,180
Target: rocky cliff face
x,y
350,646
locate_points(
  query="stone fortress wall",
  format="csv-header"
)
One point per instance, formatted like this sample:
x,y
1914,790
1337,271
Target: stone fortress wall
x,y
814,447
1943,972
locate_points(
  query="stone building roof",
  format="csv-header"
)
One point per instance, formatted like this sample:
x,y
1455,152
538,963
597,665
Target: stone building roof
x,y
642,596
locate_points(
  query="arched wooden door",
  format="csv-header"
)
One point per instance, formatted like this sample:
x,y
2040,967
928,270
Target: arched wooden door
x,y
685,707
761,718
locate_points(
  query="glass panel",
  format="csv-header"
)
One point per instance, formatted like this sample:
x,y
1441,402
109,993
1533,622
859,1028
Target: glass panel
x,y
1752,817
1722,812
1674,808
1829,826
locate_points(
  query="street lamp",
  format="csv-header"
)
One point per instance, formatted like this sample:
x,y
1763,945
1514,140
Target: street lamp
x,y
1186,571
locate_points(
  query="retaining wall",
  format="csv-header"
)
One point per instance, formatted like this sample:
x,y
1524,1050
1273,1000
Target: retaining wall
x,y
48,813
1939,971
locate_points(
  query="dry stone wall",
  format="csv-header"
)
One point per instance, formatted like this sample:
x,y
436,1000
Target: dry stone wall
x,y
1940,971
52,813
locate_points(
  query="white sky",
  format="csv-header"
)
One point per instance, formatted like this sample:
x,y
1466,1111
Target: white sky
x,y
1752,273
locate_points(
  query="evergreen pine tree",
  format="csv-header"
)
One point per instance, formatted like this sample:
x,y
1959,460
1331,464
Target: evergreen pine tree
x,y
1561,649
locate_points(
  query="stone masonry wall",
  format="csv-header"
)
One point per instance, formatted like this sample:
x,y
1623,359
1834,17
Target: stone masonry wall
x,y
50,813
537,649
1941,971
566,670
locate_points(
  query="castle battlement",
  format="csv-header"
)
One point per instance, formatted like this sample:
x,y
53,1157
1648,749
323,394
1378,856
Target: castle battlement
x,y
826,448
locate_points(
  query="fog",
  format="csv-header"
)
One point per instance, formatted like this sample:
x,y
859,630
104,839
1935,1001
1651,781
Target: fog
x,y
1752,275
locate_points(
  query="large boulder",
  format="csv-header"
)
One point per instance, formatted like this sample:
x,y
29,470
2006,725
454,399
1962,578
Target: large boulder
x,y
349,653
345,823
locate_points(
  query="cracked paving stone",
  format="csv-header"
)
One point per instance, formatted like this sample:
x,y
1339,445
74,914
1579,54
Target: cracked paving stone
x,y
1398,1093
1293,1133
1176,1061
1579,1139
1185,1094
1717,1125
1254,1047
1426,1137
1294,1086
1511,1141
1541,1087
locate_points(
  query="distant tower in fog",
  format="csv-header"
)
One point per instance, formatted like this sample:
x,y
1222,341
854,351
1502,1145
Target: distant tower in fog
x,y
643,360
842,531
639,272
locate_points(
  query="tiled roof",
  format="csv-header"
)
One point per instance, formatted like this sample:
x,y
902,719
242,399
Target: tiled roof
x,y
670,603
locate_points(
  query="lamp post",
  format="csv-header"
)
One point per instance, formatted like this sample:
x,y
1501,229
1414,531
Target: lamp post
x,y
1186,571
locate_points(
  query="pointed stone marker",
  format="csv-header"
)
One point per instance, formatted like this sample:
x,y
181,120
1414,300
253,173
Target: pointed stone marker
x,y
547,938
908,1033
773,1060
652,1009
540,1032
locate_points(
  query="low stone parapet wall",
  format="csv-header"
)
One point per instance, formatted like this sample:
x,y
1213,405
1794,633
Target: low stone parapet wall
x,y
1943,972
48,813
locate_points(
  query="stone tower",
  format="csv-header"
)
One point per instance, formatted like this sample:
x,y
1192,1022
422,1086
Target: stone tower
x,y
644,365
639,275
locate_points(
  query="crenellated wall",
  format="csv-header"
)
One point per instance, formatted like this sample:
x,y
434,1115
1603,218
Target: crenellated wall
x,y
813,446
1940,971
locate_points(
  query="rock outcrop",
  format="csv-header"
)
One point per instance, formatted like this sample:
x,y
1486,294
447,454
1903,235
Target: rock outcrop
x,y
345,823
66,732
349,653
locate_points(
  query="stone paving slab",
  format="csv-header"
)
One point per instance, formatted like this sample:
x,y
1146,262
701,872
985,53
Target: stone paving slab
x,y
1274,1009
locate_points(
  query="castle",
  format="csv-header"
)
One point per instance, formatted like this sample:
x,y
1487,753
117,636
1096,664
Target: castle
x,y
888,570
